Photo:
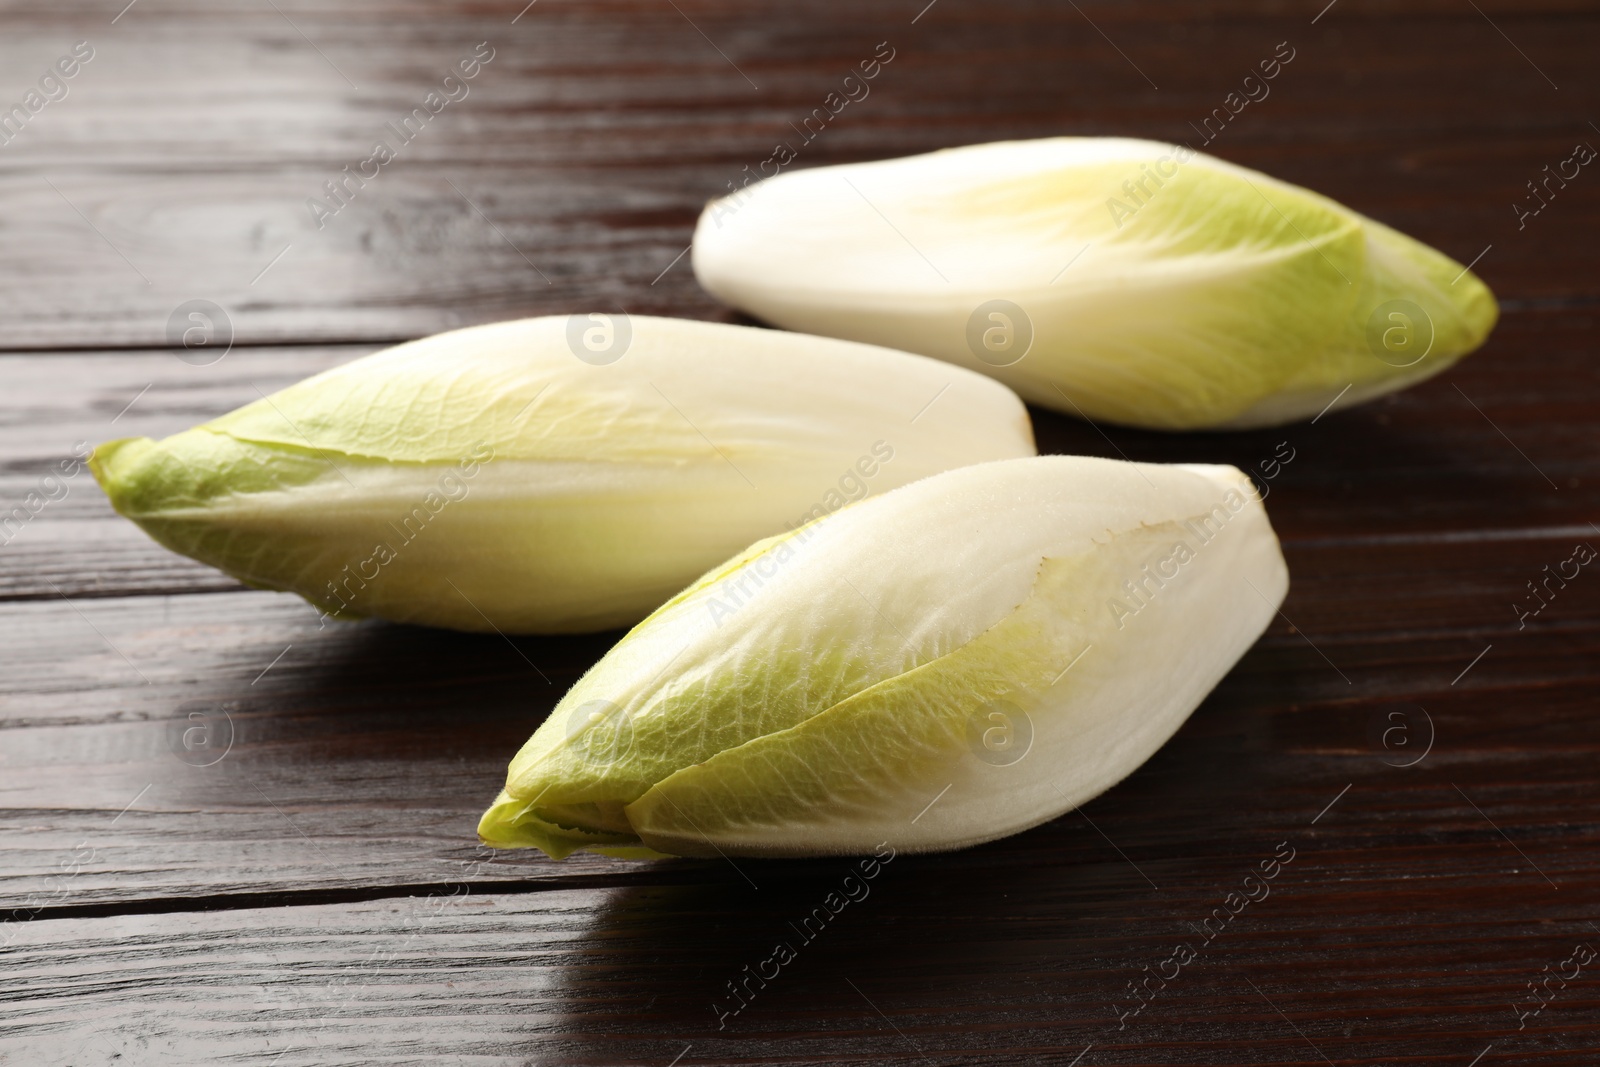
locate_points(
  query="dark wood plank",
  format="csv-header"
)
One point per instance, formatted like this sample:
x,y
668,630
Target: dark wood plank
x,y
341,757
1499,446
180,163
1498,442
361,755
992,957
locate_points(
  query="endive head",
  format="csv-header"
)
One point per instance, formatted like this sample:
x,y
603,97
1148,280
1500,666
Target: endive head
x,y
1126,280
506,477
873,677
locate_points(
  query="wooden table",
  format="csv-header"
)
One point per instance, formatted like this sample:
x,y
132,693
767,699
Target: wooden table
x,y
315,894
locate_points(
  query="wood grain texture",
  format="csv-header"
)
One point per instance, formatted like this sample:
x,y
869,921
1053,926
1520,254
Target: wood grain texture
x,y
362,755
316,895
1485,450
1020,962
180,163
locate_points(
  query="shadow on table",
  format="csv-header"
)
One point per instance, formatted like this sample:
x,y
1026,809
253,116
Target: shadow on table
x,y
810,961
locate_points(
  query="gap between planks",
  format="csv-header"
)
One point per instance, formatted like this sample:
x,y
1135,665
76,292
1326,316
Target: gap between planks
x,y
288,898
